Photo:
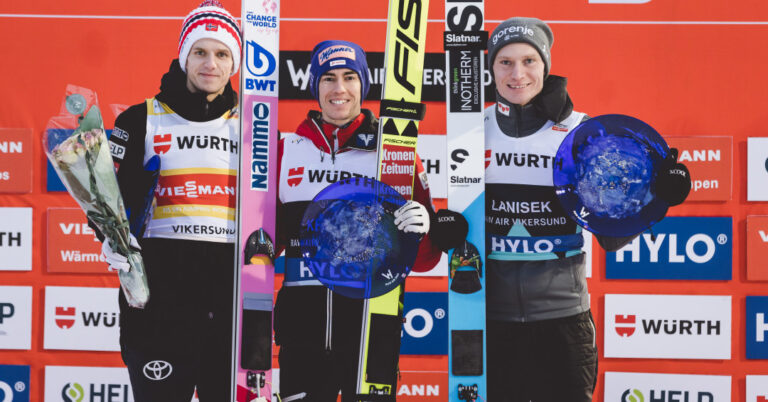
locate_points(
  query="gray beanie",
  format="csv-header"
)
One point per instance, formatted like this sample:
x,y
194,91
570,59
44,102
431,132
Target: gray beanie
x,y
532,31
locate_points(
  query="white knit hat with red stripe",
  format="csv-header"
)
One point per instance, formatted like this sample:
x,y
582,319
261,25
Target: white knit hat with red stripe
x,y
210,20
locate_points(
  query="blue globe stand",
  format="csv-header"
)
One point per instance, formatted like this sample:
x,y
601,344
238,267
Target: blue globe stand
x,y
349,240
606,172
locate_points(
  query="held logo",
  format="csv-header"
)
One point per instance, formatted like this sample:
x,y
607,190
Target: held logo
x,y
632,395
72,392
260,63
677,248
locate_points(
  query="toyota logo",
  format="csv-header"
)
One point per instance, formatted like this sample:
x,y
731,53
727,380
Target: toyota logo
x,y
157,370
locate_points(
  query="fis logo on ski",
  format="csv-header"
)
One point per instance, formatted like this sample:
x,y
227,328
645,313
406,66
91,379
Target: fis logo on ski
x,y
678,248
260,62
14,383
425,330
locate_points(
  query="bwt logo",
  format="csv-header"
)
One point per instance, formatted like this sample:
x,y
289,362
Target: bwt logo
x,y
634,395
422,315
6,311
625,325
7,392
260,63
699,248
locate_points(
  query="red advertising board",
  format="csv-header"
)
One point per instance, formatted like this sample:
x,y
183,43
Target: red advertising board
x,y
757,247
72,245
709,160
15,160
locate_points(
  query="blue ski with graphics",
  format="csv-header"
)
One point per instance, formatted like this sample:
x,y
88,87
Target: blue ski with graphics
x,y
464,42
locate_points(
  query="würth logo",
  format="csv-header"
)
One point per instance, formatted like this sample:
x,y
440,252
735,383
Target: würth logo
x,y
162,143
625,325
65,317
295,175
487,158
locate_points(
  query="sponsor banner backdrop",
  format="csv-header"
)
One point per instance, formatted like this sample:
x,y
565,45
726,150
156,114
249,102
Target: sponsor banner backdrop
x,y
422,386
431,150
667,326
757,168
425,330
15,317
757,327
709,159
678,248
757,388
81,318
15,239
72,245
87,384
14,383
639,387
757,248
15,160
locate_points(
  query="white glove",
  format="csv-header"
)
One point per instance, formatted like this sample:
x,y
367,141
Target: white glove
x,y
412,217
116,260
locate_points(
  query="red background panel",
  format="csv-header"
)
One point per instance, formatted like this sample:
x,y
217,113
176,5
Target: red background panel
x,y
687,68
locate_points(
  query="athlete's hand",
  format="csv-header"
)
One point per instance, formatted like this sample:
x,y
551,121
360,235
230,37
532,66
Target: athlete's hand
x,y
117,261
412,218
674,180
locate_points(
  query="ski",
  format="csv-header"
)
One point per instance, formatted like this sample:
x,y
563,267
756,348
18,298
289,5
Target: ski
x,y
256,202
464,42
400,111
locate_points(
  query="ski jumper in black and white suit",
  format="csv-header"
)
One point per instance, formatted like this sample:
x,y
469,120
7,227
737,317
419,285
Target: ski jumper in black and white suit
x,y
182,338
541,337
318,330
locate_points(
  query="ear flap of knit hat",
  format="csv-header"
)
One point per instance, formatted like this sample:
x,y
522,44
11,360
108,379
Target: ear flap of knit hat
x,y
210,20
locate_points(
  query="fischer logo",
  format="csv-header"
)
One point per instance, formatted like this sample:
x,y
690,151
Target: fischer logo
x,y
162,143
207,142
424,315
668,327
625,325
158,370
260,63
512,31
295,175
260,147
675,255
334,52
66,316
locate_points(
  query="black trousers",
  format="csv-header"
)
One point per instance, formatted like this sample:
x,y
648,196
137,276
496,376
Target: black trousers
x,y
182,340
542,361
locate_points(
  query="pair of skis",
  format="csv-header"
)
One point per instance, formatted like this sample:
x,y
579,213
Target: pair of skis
x,y
464,42
400,111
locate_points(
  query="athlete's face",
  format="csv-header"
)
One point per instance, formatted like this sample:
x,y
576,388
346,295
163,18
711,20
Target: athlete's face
x,y
339,92
209,66
519,73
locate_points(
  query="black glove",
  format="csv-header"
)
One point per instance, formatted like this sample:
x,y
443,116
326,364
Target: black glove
x,y
448,229
674,181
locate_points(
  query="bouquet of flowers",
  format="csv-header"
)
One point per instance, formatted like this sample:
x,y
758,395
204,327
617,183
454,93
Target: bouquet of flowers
x,y
77,146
